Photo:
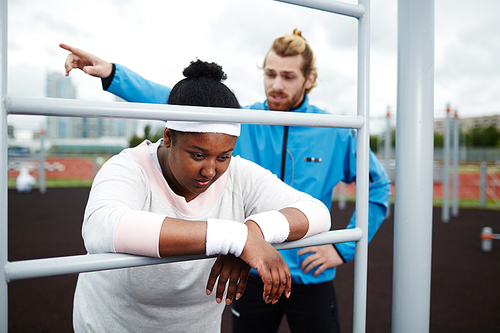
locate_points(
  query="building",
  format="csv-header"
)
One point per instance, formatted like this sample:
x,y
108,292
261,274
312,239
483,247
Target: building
x,y
59,86
466,124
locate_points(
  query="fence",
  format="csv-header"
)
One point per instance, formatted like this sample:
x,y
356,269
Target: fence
x,y
412,282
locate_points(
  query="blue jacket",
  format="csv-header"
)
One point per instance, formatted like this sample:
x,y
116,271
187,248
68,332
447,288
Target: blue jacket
x,y
317,159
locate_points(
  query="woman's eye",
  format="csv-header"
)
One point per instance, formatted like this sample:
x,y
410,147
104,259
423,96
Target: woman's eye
x,y
198,156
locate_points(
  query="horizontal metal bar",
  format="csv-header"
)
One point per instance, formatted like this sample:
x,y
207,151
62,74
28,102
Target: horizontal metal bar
x,y
82,108
336,7
36,268
329,237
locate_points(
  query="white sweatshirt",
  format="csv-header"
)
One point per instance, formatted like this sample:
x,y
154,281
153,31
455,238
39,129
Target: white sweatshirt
x,y
130,193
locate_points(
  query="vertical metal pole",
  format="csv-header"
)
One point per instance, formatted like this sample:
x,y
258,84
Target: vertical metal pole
x,y
445,211
454,209
4,326
43,185
463,153
342,203
387,150
482,186
387,143
362,170
414,167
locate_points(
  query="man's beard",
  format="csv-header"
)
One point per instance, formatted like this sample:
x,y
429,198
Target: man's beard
x,y
287,104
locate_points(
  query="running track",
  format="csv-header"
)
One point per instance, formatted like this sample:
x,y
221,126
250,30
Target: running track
x,y
83,168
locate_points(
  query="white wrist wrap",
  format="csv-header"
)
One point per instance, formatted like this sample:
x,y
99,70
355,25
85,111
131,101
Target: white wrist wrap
x,y
225,236
273,224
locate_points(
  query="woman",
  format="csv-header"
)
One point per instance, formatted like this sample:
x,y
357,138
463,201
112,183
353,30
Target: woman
x,y
187,195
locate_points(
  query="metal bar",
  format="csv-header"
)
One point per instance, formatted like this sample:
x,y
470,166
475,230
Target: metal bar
x,y
387,150
342,197
336,7
387,140
362,171
3,170
482,185
28,269
456,184
445,209
42,179
80,108
414,164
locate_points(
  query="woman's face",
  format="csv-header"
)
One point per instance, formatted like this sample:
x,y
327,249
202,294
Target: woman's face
x,y
196,160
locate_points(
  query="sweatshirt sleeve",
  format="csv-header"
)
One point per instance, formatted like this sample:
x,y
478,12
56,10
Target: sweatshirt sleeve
x,y
116,218
132,87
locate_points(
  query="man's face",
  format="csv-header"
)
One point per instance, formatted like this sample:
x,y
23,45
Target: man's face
x,y
284,81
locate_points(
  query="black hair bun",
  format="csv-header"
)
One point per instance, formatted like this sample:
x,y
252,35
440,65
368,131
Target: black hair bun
x,y
203,69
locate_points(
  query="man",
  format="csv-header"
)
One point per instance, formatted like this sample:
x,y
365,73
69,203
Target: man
x,y
310,159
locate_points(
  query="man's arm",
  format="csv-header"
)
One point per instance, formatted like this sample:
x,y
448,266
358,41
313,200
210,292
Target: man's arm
x,y
116,78
134,88
328,256
378,202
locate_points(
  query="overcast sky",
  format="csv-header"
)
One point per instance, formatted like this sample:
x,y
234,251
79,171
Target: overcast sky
x,y
158,38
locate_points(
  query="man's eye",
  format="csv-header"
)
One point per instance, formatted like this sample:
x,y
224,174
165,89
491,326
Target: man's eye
x,y
224,158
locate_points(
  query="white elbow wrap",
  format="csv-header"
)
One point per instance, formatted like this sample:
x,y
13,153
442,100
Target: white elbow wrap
x,y
317,214
273,224
225,236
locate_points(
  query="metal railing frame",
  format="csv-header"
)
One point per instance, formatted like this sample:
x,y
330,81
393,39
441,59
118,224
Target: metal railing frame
x,y
414,168
76,108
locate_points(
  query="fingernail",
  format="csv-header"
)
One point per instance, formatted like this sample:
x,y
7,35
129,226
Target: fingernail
x,y
209,291
218,300
238,295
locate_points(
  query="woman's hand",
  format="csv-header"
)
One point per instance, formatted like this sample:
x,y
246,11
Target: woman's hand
x,y
269,263
232,269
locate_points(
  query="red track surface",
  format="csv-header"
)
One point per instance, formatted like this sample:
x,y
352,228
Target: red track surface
x,y
468,186
58,168
82,168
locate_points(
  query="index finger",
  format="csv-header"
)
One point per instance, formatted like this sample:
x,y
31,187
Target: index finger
x,y
66,47
212,277
307,250
74,50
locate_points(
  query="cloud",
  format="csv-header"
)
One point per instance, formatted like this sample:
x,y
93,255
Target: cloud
x,y
159,38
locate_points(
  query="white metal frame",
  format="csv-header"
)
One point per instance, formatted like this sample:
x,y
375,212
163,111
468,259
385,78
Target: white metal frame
x,y
77,108
414,164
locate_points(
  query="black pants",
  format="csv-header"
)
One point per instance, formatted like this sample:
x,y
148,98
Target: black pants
x,y
310,308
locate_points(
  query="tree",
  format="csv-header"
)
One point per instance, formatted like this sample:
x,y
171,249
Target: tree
x,y
153,137
374,143
481,136
438,140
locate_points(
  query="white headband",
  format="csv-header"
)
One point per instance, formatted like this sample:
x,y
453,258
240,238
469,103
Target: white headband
x,y
204,127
